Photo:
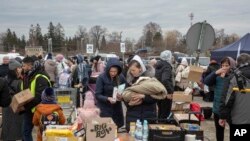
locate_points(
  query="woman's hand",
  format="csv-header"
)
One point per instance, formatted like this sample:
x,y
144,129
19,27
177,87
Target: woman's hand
x,y
111,100
119,97
137,96
136,99
222,122
221,72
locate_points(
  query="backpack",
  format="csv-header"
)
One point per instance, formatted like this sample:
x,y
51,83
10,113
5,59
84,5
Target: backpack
x,y
50,119
64,80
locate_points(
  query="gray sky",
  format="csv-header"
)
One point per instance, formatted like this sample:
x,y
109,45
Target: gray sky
x,y
128,16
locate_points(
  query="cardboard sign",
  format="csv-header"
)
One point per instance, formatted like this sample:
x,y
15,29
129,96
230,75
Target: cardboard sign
x,y
90,48
101,129
123,48
195,73
21,99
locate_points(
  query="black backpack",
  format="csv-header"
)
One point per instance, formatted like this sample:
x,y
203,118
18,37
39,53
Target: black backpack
x,y
50,119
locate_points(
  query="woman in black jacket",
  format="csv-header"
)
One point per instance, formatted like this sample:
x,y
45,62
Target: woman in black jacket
x,y
5,98
12,122
110,78
163,73
145,105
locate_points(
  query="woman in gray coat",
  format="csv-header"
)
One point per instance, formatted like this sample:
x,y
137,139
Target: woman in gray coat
x,y
11,122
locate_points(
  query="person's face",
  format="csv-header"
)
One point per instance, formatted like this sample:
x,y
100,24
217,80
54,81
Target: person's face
x,y
6,60
113,72
27,67
226,66
19,71
135,71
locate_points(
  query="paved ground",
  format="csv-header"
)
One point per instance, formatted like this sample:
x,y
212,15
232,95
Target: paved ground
x,y
208,125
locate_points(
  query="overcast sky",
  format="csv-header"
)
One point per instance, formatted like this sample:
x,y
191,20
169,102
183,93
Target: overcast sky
x,y
128,16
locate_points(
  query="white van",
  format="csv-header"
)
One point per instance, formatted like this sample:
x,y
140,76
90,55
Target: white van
x,y
203,61
105,56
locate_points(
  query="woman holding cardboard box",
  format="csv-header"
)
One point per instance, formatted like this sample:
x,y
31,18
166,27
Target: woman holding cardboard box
x,y
12,123
107,100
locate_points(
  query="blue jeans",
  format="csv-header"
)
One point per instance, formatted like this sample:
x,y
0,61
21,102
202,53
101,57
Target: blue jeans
x,y
27,126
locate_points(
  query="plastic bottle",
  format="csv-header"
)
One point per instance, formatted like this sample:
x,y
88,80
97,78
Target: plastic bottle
x,y
138,131
145,130
132,129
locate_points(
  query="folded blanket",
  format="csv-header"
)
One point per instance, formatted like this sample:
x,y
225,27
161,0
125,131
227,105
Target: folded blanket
x,y
146,86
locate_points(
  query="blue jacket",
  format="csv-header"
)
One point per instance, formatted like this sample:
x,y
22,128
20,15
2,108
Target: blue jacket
x,y
104,89
218,82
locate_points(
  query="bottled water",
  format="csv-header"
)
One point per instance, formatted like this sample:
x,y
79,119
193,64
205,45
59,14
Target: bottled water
x,y
138,131
145,130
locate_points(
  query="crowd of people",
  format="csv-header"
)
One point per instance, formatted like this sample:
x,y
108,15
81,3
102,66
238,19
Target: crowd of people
x,y
148,92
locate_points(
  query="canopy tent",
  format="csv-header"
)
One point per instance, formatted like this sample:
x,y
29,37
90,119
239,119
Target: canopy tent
x,y
233,50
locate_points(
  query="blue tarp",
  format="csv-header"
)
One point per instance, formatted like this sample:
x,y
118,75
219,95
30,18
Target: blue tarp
x,y
243,45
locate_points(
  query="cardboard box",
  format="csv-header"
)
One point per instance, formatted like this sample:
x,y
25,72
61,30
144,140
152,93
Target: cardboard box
x,y
180,117
179,96
101,129
164,130
163,127
21,99
195,73
63,138
176,106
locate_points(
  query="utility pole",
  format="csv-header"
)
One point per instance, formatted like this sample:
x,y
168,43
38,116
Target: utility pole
x,y
120,36
81,49
191,15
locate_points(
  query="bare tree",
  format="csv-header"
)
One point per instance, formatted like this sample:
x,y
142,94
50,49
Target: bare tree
x,y
96,32
152,27
83,37
82,33
149,32
114,37
172,39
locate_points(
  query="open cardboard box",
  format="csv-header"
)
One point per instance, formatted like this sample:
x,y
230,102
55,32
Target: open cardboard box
x,y
101,129
179,96
181,101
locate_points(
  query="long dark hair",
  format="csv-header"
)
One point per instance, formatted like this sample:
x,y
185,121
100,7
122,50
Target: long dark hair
x,y
12,74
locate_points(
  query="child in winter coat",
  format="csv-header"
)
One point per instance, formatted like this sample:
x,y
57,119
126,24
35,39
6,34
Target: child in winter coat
x,y
89,110
46,108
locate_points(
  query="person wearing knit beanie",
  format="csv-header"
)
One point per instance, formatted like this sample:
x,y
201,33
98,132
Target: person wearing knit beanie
x,y
48,109
13,64
48,96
